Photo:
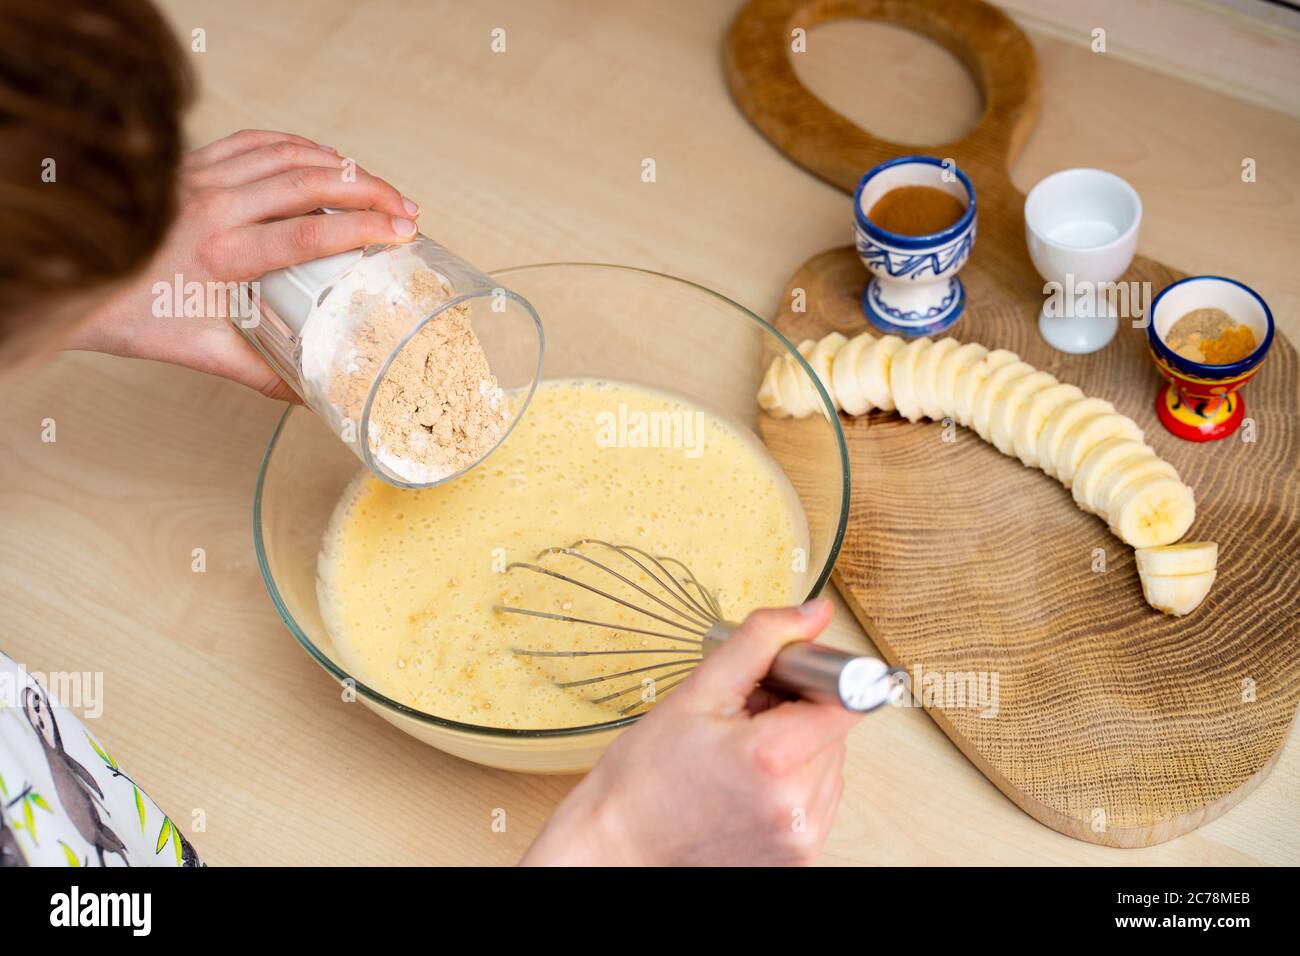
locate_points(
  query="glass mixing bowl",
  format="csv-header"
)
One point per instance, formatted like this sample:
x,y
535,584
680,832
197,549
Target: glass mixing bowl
x,y
601,321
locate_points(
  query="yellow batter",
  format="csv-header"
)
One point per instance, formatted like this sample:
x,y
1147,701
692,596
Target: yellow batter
x,y
409,580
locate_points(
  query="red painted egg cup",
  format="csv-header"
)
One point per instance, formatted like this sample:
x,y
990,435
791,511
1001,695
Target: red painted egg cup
x,y
1199,401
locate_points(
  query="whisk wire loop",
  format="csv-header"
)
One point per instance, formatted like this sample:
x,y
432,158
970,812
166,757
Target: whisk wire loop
x,y
684,605
709,609
689,609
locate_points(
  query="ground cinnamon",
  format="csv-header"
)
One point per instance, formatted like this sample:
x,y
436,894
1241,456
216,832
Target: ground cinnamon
x,y
916,210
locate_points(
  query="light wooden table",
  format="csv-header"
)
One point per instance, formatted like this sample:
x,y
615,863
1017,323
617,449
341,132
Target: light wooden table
x,y
533,155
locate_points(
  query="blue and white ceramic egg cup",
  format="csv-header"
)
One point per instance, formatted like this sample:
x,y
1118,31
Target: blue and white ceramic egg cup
x,y
914,289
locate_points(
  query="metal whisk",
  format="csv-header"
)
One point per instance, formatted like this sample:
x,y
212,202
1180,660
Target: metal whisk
x,y
674,606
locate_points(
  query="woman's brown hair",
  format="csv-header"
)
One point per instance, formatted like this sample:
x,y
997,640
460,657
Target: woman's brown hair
x,y
91,95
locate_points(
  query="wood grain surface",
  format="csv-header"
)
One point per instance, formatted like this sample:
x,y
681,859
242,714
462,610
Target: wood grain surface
x,y
1114,723
527,156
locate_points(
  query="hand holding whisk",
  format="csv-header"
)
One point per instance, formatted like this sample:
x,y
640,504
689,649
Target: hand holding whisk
x,y
661,598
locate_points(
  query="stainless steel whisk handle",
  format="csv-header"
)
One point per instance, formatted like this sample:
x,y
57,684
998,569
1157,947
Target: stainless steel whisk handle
x,y
823,674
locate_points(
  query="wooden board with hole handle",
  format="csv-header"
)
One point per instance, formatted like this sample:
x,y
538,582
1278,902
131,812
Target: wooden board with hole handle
x,y
1114,723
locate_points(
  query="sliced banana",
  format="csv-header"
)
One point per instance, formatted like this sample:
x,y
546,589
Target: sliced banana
x,y
1175,560
1095,451
902,377
1152,511
1103,457
927,377
953,365
1033,413
1002,420
1177,594
1086,435
990,394
969,381
1058,425
1125,473
873,371
847,385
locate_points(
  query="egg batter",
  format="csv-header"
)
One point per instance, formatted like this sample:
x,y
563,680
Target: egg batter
x,y
409,581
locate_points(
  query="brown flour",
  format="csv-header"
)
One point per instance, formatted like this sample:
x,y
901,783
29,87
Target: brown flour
x,y
438,407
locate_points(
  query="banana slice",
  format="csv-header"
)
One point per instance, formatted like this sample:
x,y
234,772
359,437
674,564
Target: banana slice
x,y
769,392
1177,594
786,391
847,387
927,377
1002,420
902,378
1175,560
950,369
1034,413
1177,577
821,359
972,378
1103,457
990,393
1086,435
797,392
1124,474
874,368
1152,511
1058,425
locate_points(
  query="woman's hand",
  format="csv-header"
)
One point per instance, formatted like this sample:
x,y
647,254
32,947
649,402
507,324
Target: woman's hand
x,y
718,773
245,204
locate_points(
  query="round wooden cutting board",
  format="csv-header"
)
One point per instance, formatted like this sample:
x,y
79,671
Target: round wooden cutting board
x,y
1111,722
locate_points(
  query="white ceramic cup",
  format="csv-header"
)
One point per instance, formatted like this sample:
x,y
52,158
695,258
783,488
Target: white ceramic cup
x,y
1081,226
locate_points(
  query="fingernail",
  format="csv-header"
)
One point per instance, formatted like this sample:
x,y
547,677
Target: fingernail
x,y
411,208
328,149
814,607
403,227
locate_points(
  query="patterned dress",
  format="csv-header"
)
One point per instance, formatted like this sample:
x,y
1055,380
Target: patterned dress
x,y
63,799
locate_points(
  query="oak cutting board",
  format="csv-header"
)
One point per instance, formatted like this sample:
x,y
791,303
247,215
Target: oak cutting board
x,y
1114,723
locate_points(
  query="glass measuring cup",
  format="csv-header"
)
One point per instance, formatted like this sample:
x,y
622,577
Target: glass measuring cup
x,y
333,327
